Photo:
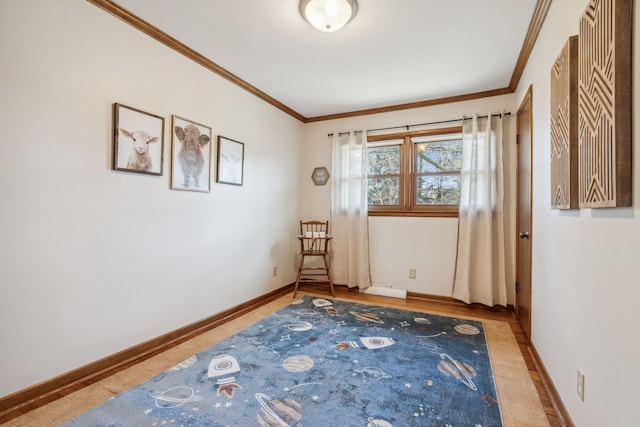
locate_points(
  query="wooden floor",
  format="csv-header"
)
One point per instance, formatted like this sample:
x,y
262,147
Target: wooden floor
x,y
418,302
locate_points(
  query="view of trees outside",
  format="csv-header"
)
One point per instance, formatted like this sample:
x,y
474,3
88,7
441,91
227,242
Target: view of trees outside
x,y
383,172
438,172
437,178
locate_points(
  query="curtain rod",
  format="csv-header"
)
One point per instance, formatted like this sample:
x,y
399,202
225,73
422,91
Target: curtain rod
x,y
508,113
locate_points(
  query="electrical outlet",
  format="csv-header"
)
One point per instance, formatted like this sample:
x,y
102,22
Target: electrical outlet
x,y
580,384
275,270
412,273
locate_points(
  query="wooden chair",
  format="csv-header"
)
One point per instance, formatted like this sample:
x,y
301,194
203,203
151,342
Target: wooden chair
x,y
314,242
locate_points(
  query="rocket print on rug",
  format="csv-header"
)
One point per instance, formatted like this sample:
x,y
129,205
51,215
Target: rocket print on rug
x,y
370,343
224,370
321,302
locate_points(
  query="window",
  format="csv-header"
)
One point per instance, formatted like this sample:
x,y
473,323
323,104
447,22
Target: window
x,y
384,174
415,173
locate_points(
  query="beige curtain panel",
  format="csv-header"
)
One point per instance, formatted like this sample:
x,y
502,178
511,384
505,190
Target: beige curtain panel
x,y
480,274
349,207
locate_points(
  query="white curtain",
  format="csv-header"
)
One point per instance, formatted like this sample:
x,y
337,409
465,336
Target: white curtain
x,y
480,274
349,222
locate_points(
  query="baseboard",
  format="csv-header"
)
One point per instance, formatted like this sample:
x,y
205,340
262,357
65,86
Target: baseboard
x,y
54,388
435,298
385,292
561,411
454,302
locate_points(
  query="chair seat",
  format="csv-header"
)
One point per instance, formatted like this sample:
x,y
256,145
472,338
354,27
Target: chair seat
x,y
314,253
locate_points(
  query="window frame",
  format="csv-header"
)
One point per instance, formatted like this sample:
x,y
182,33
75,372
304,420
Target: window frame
x,y
407,192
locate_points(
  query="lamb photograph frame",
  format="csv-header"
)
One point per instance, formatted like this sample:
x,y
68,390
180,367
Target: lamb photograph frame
x,y
230,168
190,155
138,140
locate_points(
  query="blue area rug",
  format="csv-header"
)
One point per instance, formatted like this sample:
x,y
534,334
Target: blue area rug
x,y
320,362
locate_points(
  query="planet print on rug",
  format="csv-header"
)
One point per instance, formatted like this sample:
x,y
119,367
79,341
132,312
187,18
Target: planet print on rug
x,y
278,412
458,370
298,363
320,362
185,363
175,396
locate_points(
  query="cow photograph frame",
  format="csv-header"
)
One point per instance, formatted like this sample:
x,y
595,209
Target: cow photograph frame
x,y
190,155
138,140
230,156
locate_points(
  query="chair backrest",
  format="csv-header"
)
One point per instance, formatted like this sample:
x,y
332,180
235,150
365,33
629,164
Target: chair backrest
x,y
314,236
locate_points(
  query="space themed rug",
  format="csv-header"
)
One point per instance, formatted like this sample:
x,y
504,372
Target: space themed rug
x,y
320,362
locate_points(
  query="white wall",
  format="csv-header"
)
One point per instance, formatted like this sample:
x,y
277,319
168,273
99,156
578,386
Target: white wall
x,y
427,245
93,261
398,244
585,263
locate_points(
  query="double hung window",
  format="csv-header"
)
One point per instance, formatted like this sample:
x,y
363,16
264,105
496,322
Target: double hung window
x,y
415,173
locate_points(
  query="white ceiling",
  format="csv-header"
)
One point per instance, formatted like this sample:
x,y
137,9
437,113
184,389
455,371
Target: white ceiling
x,y
393,52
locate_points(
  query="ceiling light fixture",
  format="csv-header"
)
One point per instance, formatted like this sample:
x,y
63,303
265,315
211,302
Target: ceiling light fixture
x,y
328,15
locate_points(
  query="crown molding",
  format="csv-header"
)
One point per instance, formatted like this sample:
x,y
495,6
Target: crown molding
x,y
408,106
537,20
164,38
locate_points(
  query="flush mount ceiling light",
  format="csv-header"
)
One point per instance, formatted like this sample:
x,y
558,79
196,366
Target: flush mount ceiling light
x,y
328,15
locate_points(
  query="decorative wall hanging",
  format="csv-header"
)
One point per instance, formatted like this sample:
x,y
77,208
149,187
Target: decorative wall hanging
x,y
230,161
604,104
138,140
320,176
190,155
564,127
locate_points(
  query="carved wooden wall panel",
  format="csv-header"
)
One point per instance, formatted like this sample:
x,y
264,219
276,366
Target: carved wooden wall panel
x,y
564,127
604,104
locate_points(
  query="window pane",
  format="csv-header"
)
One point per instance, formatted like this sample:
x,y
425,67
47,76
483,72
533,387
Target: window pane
x,y
439,156
383,160
438,189
384,191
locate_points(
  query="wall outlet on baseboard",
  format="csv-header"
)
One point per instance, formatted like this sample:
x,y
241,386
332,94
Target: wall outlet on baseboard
x,y
580,384
275,270
412,273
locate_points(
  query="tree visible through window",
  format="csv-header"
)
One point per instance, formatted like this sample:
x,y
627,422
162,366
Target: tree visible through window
x,y
418,173
383,175
438,172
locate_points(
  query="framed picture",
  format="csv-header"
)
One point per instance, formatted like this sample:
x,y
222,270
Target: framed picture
x,y
138,140
230,161
190,155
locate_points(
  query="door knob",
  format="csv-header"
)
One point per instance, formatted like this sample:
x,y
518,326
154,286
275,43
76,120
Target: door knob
x,y
524,235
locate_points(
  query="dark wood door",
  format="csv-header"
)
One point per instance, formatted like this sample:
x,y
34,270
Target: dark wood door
x,y
523,245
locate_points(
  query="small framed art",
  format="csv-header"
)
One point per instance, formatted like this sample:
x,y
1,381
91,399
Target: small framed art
x,y
190,155
138,140
320,176
230,168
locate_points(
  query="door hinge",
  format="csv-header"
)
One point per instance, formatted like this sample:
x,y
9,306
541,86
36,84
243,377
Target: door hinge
x,y
517,287
517,139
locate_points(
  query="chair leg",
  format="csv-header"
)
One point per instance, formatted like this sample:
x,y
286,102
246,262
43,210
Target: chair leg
x,y
326,266
295,289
